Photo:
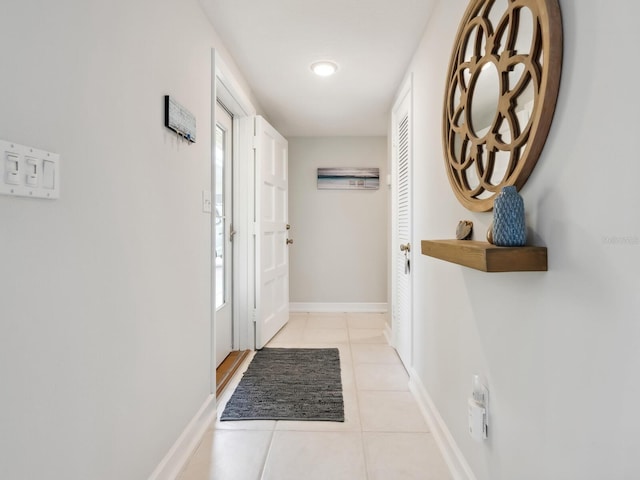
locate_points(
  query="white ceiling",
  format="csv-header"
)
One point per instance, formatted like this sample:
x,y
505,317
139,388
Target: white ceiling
x,y
274,43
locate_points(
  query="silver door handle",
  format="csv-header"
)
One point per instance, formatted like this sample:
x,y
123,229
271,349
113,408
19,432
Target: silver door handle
x,y
405,247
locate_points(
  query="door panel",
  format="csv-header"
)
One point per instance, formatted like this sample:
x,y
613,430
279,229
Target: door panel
x,y
223,245
402,323
272,254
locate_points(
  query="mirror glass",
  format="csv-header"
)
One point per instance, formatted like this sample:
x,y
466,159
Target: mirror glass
x,y
466,75
497,11
524,39
469,46
472,177
484,99
457,148
500,166
504,130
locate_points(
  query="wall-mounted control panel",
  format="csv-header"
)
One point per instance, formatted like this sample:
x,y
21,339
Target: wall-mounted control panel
x,y
28,172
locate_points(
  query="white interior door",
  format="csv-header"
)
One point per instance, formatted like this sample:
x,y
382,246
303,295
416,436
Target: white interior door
x,y
402,322
223,242
271,232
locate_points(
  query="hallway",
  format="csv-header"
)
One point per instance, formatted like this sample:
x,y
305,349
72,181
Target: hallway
x,y
384,435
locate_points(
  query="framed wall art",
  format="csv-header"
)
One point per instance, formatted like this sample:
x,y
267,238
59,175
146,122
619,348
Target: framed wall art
x,y
348,178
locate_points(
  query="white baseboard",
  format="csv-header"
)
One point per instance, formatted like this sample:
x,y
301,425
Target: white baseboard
x,y
178,455
339,307
460,469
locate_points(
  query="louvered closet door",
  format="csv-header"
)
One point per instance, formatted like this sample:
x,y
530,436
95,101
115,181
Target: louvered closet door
x,y
403,249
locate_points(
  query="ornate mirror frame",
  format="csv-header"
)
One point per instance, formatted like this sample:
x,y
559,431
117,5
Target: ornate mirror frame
x,y
501,92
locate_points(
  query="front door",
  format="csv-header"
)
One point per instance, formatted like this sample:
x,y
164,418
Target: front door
x,y
223,243
271,232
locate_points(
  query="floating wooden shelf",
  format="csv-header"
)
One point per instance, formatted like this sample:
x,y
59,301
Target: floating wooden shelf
x,y
486,257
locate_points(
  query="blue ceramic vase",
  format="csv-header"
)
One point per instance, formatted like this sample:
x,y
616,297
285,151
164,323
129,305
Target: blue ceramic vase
x,y
509,229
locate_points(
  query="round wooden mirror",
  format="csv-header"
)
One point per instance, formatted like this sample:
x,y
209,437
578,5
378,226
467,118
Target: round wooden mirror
x,y
501,92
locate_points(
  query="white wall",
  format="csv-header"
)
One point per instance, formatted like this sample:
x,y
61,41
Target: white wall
x,y
559,349
340,249
104,293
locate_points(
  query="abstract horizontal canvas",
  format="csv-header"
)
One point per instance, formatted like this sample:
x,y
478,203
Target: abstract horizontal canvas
x,y
348,178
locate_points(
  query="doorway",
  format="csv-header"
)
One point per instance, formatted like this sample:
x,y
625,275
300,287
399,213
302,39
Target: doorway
x,y
227,91
244,292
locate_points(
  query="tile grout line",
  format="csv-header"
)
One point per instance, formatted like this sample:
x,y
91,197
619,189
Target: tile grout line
x,y
266,457
357,395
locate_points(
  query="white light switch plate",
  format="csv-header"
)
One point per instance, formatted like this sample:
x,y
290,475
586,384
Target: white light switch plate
x,y
28,172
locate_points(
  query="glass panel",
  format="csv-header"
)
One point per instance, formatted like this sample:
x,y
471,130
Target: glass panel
x,y
220,227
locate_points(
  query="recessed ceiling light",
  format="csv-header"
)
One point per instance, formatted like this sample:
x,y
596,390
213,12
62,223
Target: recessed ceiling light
x,y
324,68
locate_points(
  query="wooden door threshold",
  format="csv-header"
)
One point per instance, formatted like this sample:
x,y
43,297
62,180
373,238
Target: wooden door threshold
x,y
228,368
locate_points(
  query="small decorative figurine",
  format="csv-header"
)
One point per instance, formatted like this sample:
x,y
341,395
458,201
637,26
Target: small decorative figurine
x,y
464,230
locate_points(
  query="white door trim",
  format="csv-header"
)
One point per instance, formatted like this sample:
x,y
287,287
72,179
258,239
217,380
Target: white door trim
x,y
225,87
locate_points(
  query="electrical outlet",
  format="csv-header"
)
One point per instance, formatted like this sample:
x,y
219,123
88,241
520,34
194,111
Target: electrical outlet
x,y
477,421
478,410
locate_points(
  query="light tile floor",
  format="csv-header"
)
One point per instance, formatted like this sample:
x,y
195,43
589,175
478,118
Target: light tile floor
x,y
384,435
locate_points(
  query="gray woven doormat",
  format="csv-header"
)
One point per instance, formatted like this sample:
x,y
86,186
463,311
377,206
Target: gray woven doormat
x,y
289,384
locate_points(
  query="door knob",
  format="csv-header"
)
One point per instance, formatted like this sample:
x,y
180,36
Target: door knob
x,y
289,241
405,247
